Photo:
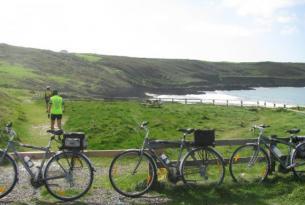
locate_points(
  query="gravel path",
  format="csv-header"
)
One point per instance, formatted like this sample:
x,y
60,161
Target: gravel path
x,y
25,194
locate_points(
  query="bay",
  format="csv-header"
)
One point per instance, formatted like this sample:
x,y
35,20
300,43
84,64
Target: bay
x,y
291,96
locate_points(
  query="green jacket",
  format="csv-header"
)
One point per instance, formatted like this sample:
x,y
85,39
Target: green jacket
x,y
56,105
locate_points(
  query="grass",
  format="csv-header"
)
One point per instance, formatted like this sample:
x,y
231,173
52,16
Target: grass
x,y
29,117
89,57
114,125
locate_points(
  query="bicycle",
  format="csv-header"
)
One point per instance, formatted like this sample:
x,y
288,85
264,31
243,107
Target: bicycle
x,y
67,175
252,163
133,172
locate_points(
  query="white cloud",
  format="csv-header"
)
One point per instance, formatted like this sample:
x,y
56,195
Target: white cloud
x,y
145,28
262,9
286,18
288,30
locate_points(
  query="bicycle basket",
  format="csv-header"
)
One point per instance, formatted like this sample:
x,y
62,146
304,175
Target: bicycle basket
x,y
74,141
204,138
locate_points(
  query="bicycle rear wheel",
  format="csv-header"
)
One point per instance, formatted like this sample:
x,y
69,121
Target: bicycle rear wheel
x,y
202,166
68,175
249,163
8,174
132,173
298,158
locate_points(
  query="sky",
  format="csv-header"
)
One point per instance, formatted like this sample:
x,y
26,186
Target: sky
x,y
212,30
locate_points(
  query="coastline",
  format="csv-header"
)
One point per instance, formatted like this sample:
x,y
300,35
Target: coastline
x,y
257,96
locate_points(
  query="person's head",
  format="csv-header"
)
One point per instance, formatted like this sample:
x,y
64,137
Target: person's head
x,y
48,87
55,92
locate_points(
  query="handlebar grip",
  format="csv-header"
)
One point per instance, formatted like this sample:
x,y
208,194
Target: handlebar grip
x,y
145,123
10,124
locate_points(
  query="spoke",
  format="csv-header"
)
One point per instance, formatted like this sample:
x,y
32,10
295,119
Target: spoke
x,y
60,165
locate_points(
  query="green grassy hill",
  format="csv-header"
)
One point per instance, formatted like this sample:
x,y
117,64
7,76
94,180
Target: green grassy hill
x,y
108,76
113,125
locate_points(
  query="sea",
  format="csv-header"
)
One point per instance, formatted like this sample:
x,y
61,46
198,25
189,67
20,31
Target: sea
x,y
268,96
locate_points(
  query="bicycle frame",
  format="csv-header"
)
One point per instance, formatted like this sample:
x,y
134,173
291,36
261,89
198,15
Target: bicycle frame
x,y
11,145
146,147
267,142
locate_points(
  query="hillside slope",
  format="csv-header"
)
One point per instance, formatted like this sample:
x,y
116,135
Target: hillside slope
x,y
108,76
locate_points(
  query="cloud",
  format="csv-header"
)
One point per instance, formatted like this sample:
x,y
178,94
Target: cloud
x,y
286,18
261,9
288,30
232,30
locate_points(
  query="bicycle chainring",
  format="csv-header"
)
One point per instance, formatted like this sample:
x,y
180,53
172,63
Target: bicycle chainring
x,y
37,183
172,175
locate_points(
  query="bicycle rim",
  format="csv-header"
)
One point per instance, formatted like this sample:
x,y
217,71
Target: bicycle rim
x,y
203,166
249,164
8,177
132,174
68,176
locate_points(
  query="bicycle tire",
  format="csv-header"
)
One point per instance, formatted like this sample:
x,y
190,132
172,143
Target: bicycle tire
x,y
130,163
241,167
67,167
7,174
200,165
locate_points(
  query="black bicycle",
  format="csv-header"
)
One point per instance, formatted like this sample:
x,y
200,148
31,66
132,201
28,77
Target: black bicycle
x,y
67,175
252,162
133,172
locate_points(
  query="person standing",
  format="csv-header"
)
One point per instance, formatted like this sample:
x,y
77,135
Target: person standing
x,y
56,108
47,96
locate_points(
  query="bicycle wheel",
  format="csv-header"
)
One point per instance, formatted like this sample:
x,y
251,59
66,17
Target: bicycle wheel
x,y
8,176
202,166
68,175
132,173
298,158
249,163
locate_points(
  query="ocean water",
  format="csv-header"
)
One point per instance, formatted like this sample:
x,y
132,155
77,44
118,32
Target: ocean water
x,y
286,95
276,95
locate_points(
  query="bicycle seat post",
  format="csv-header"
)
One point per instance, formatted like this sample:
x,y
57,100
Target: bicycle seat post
x,y
184,136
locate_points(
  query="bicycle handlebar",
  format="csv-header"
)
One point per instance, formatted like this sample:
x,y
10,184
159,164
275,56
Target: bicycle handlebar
x,y
9,129
262,126
144,124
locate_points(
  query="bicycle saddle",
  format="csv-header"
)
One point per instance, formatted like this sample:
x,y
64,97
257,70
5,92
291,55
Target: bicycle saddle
x,y
186,130
55,132
293,131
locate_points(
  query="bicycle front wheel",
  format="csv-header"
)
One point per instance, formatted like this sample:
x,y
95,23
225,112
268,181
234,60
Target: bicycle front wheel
x,y
8,174
68,175
132,173
202,166
249,164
